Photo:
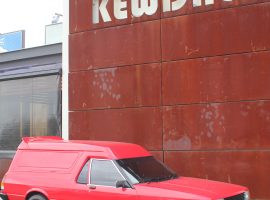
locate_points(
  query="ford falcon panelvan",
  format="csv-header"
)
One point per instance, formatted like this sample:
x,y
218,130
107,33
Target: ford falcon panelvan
x,y
49,168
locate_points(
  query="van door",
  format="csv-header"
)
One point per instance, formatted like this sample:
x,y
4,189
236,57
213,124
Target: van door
x,y
103,177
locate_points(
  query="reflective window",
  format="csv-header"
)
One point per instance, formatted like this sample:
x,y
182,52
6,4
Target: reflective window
x,y
146,169
103,172
29,107
83,176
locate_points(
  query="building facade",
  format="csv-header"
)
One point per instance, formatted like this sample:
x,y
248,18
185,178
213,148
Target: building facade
x,y
30,97
188,80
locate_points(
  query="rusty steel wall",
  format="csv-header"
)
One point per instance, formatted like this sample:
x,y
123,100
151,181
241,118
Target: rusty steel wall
x,y
192,86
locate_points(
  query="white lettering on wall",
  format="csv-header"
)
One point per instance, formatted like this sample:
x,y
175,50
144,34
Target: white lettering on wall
x,y
197,3
169,5
141,7
209,2
102,9
138,8
120,9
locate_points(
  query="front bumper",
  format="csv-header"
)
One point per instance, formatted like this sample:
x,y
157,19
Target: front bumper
x,y
3,196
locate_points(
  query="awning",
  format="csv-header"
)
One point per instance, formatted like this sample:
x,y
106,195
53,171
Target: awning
x,y
30,71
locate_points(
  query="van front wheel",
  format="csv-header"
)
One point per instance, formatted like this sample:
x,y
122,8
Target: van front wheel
x,y
37,197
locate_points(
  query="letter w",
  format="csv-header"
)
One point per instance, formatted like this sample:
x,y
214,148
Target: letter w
x,y
140,7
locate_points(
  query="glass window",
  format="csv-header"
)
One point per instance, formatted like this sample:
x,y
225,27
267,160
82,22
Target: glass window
x,y
83,177
103,172
145,169
29,107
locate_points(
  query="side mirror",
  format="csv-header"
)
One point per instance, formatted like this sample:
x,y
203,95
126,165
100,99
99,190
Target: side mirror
x,y
122,184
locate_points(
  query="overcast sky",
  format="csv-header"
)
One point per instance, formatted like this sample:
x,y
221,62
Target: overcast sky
x,y
28,15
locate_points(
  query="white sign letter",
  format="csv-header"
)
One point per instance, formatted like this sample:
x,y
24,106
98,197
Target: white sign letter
x,y
197,3
176,5
173,6
140,7
166,5
102,9
120,9
209,2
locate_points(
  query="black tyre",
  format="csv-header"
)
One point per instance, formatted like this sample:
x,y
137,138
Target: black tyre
x,y
37,197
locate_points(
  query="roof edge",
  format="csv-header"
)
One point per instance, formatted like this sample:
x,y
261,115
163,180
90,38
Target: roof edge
x,y
33,52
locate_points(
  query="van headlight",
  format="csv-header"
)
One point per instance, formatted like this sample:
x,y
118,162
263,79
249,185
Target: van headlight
x,y
246,196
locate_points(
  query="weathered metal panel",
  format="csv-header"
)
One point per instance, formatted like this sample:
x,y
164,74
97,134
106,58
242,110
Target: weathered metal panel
x,y
81,15
137,125
126,45
194,85
234,125
228,31
118,87
189,8
217,79
81,12
247,167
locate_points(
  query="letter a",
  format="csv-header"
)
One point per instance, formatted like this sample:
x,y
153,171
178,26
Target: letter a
x,y
102,9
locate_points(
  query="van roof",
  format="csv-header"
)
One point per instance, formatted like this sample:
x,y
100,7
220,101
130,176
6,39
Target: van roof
x,y
111,150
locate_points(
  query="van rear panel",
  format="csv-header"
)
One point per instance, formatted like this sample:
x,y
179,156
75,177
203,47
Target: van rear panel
x,y
43,160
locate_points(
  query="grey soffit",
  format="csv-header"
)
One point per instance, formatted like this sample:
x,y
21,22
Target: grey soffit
x,y
37,61
30,71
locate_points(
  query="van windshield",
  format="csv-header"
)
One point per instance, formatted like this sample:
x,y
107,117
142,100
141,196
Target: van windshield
x,y
145,169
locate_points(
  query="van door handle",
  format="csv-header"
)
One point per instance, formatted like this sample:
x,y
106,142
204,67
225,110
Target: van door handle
x,y
91,186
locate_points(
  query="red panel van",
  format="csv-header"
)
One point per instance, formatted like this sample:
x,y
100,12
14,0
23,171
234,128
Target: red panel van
x,y
50,168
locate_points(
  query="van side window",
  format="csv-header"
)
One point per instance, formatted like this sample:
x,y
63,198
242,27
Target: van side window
x,y
83,177
104,172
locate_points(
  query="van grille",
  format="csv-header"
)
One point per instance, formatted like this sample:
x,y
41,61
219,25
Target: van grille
x,y
237,197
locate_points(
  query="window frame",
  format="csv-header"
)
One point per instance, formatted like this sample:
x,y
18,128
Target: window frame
x,y
80,171
115,166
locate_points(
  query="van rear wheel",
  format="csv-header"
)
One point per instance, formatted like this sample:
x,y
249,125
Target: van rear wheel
x,y
37,197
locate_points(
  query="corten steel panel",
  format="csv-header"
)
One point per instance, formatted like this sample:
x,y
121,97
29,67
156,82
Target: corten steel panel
x,y
238,125
237,128
81,13
228,31
4,165
130,86
217,79
248,168
188,8
158,155
142,126
81,16
125,45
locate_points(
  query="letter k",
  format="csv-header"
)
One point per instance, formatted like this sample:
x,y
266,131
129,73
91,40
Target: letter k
x,y
102,9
